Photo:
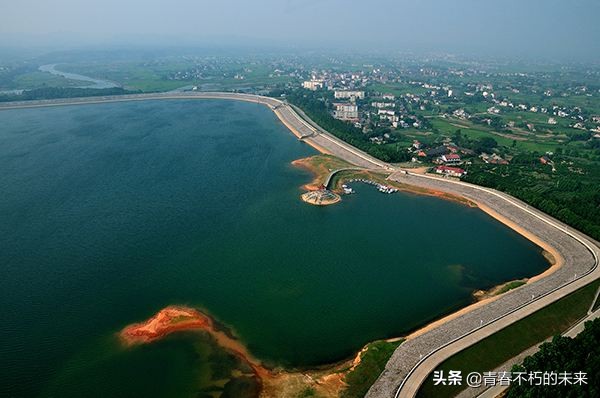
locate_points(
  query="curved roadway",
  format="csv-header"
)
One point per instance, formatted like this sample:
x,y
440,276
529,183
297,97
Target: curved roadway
x,y
416,358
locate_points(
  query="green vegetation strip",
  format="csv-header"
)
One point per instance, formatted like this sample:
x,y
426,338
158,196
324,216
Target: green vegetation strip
x,y
510,286
372,363
509,342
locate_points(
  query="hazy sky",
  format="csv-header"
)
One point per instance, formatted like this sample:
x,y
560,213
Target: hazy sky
x,y
504,26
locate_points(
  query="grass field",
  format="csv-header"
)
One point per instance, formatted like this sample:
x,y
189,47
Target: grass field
x,y
37,79
532,143
137,75
510,286
372,363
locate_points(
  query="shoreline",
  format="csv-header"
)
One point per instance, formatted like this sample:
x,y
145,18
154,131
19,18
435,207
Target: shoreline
x,y
551,254
555,259
554,265
295,132
319,174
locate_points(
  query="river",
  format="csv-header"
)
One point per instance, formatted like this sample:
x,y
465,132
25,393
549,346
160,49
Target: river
x,y
96,83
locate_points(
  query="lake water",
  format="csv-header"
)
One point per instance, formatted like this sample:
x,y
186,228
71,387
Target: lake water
x,y
111,212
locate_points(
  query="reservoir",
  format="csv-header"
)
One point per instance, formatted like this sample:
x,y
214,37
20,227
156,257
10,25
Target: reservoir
x,y
110,212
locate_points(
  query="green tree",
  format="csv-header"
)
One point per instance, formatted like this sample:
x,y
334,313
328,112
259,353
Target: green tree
x,y
564,354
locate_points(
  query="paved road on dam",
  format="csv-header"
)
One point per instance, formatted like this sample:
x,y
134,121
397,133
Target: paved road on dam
x,y
414,360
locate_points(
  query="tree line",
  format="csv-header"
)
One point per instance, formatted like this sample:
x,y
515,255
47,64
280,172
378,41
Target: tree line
x,y
564,354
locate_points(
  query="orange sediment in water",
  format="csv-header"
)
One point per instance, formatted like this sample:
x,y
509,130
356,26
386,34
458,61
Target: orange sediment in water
x,y
166,321
175,318
328,382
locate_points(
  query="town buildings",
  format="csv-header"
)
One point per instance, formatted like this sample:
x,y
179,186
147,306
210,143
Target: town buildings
x,y
345,111
313,85
349,94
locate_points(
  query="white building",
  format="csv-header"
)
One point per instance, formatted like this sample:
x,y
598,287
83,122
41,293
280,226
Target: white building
x,y
380,105
460,113
313,84
345,111
345,94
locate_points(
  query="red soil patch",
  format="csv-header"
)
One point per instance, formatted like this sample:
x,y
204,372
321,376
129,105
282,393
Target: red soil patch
x,y
175,318
166,321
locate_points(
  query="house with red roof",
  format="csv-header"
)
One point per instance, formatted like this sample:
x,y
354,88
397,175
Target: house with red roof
x,y
451,158
450,171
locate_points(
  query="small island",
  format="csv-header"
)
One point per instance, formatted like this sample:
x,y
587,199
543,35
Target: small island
x,y
321,197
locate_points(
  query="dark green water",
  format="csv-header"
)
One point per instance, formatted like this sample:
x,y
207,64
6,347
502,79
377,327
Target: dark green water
x,y
111,212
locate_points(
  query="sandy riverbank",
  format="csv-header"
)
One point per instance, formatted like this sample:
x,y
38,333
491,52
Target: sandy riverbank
x,y
320,166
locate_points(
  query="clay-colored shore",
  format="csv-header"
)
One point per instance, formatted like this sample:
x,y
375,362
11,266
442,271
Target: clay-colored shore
x,y
321,165
326,382
552,255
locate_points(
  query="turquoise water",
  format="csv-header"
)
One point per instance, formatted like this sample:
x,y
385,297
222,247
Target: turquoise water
x,y
111,212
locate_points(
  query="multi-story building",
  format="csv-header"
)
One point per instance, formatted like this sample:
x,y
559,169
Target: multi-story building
x,y
349,94
345,111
